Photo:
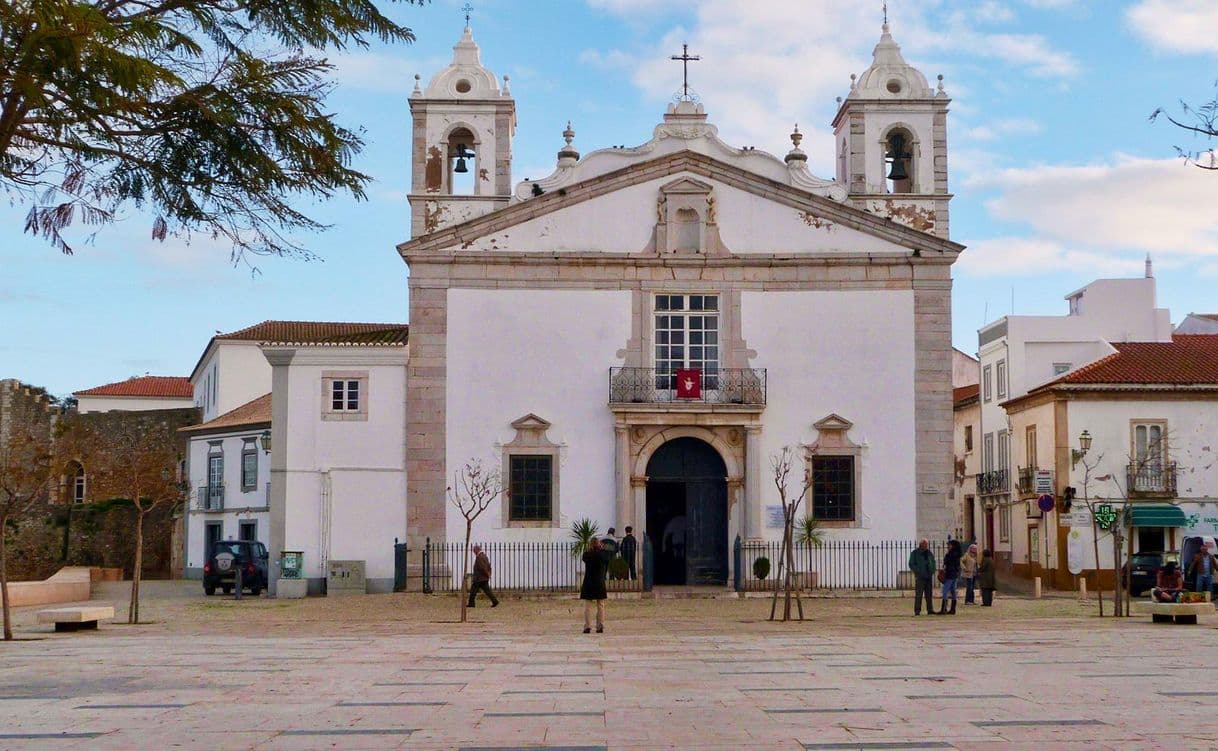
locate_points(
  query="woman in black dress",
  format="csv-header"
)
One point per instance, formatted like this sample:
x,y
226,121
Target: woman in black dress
x,y
592,591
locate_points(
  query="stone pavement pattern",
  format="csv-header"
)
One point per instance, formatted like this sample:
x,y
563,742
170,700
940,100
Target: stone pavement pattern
x,y
709,675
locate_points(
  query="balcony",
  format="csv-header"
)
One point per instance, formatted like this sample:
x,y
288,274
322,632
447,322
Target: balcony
x,y
743,386
993,483
211,498
1026,483
1151,479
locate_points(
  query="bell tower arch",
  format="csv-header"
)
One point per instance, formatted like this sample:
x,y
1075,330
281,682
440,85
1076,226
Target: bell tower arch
x,y
461,144
891,136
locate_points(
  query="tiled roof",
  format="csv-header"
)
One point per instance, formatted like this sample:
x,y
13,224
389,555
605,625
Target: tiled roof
x,y
321,332
254,412
965,393
1188,359
168,387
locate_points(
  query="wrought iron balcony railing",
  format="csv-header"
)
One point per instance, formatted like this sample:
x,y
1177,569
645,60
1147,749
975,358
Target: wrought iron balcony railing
x,y
1151,479
1027,481
720,386
211,498
990,483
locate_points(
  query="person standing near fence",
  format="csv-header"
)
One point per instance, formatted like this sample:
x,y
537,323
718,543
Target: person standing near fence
x,y
968,572
592,591
630,549
922,564
609,541
481,578
951,574
986,578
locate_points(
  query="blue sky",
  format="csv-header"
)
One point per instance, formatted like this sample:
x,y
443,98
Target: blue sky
x,y
1058,176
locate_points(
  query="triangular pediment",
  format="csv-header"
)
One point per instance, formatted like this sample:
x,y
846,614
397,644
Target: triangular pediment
x,y
624,201
832,421
530,422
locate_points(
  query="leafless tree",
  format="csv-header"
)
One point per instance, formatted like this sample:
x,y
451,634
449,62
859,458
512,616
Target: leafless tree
x,y
25,471
781,465
473,490
1199,122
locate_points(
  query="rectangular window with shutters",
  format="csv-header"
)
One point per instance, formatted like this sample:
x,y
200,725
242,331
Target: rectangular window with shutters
x,y
249,465
833,488
532,487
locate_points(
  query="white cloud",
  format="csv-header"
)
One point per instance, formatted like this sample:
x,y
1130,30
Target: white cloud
x,y
1010,127
375,71
1024,256
1189,26
1051,4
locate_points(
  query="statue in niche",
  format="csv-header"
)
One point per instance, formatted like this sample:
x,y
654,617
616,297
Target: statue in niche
x,y
710,209
661,206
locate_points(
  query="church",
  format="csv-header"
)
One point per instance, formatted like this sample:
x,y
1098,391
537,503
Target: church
x,y
634,337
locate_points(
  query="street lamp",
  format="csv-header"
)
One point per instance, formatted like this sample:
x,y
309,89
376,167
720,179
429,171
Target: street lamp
x,y
1084,442
265,440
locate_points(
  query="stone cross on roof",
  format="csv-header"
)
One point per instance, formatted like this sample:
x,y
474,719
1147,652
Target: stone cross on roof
x,y
685,58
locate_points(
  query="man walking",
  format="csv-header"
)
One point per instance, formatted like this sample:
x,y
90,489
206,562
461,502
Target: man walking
x,y
1202,569
482,578
629,550
922,564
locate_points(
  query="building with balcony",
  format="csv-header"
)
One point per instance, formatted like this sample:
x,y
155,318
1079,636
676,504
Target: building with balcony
x,y
633,337
1150,414
1019,353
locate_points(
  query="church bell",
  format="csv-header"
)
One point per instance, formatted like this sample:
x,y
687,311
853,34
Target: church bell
x,y
461,155
898,156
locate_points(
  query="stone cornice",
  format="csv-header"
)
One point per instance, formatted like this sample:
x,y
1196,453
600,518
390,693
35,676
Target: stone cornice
x,y
445,241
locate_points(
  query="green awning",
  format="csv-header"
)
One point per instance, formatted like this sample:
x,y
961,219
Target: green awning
x,y
1157,515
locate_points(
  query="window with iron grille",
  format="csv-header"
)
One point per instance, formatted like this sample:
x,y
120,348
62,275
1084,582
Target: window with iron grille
x,y
686,336
833,488
532,486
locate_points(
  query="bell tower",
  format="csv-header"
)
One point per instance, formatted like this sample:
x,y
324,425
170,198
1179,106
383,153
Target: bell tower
x,y
890,133
462,142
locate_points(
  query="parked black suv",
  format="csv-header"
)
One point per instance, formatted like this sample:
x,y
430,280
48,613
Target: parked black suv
x,y
1143,570
250,555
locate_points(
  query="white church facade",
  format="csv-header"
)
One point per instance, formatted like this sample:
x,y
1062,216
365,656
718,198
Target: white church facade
x,y
632,338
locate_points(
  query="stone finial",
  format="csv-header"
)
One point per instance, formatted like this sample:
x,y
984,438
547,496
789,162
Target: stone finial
x,y
507,89
418,85
796,136
941,90
853,81
796,157
568,154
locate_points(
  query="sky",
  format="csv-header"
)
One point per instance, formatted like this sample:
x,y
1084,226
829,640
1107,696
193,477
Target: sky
x,y
1059,176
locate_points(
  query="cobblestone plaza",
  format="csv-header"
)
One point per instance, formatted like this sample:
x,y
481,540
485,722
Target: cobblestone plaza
x,y
397,672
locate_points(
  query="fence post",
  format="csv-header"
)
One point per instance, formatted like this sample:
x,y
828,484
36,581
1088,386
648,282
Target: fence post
x,y
737,559
648,556
427,567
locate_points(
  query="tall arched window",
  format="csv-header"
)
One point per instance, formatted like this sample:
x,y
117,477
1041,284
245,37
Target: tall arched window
x,y
462,163
77,484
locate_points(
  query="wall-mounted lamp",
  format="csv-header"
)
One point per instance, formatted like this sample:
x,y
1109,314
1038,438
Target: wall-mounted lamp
x,y
265,440
1084,442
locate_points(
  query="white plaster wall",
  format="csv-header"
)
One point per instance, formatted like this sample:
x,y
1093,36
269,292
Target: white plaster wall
x,y
965,370
837,352
346,480
244,375
239,504
512,352
748,223
87,404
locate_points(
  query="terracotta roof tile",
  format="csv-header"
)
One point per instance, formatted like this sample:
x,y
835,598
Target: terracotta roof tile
x,y
1188,359
965,393
170,387
255,412
321,332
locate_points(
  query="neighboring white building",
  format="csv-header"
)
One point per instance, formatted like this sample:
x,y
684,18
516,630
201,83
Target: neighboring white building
x,y
1199,323
1150,410
338,448
634,336
229,473
138,394
1018,353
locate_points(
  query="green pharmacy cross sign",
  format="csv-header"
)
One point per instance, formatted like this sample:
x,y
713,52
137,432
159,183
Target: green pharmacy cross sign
x,y
1105,515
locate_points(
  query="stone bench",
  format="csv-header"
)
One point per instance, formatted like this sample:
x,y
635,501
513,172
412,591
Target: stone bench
x,y
1180,612
74,619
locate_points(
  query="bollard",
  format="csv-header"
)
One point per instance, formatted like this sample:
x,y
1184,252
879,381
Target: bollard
x,y
237,587
1082,588
1036,588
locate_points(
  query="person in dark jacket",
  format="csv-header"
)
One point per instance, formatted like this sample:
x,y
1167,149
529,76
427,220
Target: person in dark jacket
x,y
922,564
592,591
951,573
482,578
986,578
629,550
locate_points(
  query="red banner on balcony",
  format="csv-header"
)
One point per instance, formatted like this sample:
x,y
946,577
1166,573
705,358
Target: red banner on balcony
x,y
689,383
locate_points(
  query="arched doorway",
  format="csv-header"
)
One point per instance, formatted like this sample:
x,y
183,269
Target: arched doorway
x,y
687,513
